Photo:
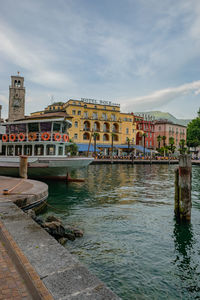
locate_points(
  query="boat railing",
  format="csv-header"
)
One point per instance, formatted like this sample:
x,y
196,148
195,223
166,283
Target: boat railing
x,y
36,137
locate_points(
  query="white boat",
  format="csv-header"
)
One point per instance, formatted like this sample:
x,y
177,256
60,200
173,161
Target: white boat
x,y
45,141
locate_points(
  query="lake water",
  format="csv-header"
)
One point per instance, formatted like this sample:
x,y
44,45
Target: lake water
x,y
131,240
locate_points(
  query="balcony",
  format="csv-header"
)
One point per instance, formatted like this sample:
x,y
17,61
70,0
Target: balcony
x,y
86,129
36,137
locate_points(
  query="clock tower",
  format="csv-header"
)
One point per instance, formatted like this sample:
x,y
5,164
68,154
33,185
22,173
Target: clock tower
x,y
16,98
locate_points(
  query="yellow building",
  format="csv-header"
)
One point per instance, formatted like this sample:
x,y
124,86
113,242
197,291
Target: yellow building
x,y
99,118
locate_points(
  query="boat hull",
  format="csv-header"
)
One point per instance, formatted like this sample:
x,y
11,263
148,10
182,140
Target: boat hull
x,y
45,167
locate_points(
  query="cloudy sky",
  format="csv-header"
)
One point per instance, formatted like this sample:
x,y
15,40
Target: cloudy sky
x,y
143,54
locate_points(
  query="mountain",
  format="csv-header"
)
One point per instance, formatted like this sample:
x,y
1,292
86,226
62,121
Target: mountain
x,y
163,115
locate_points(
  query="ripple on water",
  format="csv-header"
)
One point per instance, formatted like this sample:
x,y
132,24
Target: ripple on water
x,y
131,240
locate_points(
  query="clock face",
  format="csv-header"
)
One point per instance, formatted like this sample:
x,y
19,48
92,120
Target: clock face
x,y
16,102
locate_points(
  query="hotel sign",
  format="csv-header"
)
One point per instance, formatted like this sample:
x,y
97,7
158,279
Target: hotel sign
x,y
101,102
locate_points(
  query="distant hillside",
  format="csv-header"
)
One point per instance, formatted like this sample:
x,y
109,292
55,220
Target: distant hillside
x,y
163,115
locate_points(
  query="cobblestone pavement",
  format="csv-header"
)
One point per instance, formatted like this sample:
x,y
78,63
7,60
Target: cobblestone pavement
x,y
11,283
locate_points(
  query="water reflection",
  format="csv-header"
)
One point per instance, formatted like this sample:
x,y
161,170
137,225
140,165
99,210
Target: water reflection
x,y
186,265
130,238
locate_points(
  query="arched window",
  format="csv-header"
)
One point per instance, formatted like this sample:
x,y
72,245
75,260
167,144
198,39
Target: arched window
x,y
76,124
86,136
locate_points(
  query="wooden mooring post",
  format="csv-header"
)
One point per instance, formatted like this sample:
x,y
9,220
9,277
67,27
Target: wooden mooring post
x,y
183,187
23,167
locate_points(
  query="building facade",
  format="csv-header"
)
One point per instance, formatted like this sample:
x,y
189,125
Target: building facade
x,y
168,129
16,98
101,119
147,127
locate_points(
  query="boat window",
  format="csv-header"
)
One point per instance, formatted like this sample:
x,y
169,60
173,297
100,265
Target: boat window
x,y
60,150
10,150
33,127
45,126
28,150
56,126
39,150
18,150
3,150
22,127
51,149
64,127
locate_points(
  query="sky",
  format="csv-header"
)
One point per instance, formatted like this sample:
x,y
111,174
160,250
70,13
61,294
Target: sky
x,y
142,54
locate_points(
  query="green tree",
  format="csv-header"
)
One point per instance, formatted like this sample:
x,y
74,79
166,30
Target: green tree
x,y
182,149
171,144
193,132
163,139
159,138
72,149
128,142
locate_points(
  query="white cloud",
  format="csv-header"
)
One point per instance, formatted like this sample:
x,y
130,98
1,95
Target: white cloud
x,y
36,62
161,97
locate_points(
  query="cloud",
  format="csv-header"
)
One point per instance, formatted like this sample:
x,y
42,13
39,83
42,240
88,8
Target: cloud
x,y
161,97
37,63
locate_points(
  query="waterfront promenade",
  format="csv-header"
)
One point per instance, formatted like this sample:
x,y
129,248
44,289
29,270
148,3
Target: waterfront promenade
x,y
35,266
139,161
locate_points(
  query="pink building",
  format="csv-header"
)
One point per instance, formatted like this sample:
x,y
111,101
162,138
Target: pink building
x,y
169,129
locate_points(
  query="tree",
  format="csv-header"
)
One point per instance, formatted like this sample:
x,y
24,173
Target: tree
x,y
164,139
72,149
182,149
128,142
171,144
159,138
193,132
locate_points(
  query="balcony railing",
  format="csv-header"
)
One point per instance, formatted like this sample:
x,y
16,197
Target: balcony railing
x,y
35,137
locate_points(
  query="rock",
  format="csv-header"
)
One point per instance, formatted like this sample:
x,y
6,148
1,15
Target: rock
x,y
69,235
39,221
52,219
62,241
78,232
55,229
31,213
21,202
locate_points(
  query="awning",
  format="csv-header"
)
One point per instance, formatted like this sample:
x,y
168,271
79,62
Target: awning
x,y
137,147
84,148
104,146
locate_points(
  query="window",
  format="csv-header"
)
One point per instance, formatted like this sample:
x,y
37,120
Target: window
x,y
51,149
76,124
79,112
32,127
113,117
73,112
127,131
147,143
60,150
133,130
10,150
75,136
39,150
104,116
85,114
56,126
95,115
147,134
28,150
